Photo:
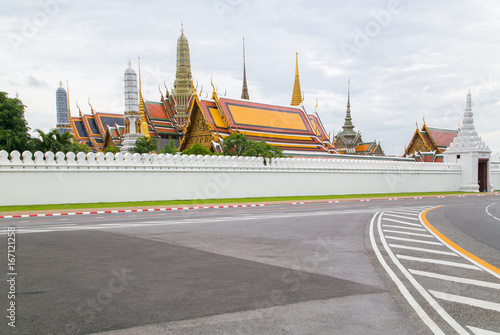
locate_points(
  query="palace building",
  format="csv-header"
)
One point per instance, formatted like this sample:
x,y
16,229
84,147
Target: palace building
x,y
428,144
349,142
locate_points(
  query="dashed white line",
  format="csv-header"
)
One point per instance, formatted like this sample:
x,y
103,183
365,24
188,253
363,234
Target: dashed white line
x,y
403,222
400,227
411,240
466,300
407,233
401,217
455,279
432,251
438,261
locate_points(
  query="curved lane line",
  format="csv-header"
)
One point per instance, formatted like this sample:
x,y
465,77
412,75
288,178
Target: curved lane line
x,y
488,212
485,265
402,288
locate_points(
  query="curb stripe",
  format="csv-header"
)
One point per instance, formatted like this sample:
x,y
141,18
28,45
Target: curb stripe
x,y
128,211
455,246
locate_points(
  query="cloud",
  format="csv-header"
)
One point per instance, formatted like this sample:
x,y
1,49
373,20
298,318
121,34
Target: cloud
x,y
35,83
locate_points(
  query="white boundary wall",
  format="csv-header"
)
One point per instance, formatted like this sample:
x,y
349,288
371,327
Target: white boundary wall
x,y
495,176
47,178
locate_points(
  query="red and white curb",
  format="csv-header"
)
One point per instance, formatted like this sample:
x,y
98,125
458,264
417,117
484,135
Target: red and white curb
x,y
393,199
127,211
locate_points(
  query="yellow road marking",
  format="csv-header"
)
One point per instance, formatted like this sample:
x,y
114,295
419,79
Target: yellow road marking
x,y
455,246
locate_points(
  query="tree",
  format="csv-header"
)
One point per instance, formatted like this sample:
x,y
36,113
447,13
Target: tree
x,y
169,148
13,127
238,144
112,149
144,145
197,149
54,141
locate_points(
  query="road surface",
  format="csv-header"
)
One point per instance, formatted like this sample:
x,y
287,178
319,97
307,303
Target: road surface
x,y
358,267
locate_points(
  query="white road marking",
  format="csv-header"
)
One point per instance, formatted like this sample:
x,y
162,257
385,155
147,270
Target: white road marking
x,y
479,331
403,222
400,227
456,279
488,212
411,240
432,251
404,291
407,233
452,322
438,261
466,300
401,217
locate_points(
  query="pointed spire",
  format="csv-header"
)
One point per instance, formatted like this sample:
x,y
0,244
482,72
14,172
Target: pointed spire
x,y
468,104
244,91
297,93
348,126
144,125
467,139
67,94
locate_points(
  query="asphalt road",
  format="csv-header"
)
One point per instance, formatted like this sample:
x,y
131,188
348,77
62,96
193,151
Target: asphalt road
x,y
280,269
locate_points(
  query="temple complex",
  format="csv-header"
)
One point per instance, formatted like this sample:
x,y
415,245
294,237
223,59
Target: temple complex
x,y
349,142
184,117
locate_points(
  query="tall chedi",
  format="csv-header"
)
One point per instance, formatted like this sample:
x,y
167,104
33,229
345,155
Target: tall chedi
x,y
297,93
183,85
63,118
132,114
473,155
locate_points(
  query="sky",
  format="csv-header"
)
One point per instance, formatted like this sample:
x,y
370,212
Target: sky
x,y
407,61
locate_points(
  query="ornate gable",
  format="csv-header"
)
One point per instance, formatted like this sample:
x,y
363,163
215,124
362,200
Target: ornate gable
x,y
197,129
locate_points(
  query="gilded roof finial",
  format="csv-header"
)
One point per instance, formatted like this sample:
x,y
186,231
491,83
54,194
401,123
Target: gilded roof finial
x,y
17,95
79,110
91,108
182,28
297,95
129,63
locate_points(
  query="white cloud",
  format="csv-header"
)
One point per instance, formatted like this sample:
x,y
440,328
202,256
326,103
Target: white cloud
x,y
418,62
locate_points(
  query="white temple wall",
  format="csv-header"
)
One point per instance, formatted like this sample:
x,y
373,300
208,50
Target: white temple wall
x,y
495,176
49,179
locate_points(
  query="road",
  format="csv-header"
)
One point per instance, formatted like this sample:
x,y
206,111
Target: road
x,y
376,267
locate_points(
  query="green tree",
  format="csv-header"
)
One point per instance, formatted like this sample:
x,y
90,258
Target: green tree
x,y
144,145
197,149
54,141
169,148
238,144
13,127
111,148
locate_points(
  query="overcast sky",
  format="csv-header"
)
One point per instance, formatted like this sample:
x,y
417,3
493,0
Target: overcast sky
x,y
407,60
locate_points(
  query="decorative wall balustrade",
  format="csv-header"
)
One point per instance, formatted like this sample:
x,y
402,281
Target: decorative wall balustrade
x,y
45,178
59,160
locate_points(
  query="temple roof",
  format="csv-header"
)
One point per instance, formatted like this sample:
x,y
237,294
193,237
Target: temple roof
x,y
289,128
443,137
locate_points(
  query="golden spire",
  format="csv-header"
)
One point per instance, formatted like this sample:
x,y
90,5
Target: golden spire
x,y
144,125
297,94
